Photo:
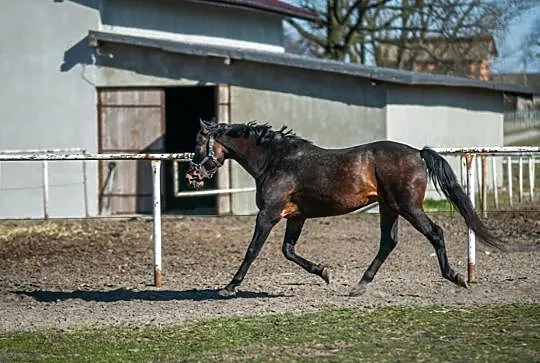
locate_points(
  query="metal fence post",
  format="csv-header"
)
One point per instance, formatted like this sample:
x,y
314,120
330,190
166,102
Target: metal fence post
x,y
531,177
156,225
85,189
510,184
520,171
471,240
495,184
45,186
484,184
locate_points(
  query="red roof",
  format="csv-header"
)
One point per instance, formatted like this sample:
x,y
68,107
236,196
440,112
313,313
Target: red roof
x,y
271,6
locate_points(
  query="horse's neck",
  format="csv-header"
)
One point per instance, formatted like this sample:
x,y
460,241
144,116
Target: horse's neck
x,y
252,157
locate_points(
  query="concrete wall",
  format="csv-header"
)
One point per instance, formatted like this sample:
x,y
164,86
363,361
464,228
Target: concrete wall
x,y
46,101
194,22
444,117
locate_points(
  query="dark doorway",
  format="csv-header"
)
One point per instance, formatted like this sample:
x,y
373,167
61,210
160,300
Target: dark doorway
x,y
184,107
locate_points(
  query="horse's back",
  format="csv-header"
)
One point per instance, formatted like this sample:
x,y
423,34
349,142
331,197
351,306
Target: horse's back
x,y
390,148
335,181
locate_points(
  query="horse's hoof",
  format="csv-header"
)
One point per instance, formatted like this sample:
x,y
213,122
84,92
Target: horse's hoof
x,y
460,281
358,289
325,274
227,292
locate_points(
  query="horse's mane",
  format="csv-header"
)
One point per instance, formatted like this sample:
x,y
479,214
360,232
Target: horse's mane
x,y
263,132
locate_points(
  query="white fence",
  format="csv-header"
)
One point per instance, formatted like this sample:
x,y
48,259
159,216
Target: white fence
x,y
522,117
155,159
45,172
469,154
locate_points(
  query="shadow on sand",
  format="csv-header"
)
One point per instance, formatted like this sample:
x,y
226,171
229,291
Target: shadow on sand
x,y
133,295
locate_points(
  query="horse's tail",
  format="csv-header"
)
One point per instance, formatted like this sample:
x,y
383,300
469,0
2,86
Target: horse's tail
x,y
444,178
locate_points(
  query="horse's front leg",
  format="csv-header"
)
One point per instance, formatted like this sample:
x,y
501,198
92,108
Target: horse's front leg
x,y
265,222
292,233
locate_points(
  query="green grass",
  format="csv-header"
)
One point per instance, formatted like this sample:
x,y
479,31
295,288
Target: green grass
x,y
406,334
442,205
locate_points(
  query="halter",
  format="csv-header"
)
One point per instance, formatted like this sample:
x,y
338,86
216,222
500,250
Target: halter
x,y
210,156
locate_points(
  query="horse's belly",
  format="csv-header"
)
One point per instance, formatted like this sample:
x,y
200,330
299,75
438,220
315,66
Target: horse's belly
x,y
325,204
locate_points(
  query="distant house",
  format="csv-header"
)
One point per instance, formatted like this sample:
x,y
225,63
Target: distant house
x,y
465,56
513,102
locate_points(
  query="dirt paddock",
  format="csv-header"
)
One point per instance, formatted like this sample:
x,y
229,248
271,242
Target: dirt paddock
x,y
63,274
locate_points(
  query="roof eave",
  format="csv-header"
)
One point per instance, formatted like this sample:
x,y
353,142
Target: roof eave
x,y
388,75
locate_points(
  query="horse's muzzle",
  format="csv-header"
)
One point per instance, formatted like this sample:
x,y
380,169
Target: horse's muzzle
x,y
195,181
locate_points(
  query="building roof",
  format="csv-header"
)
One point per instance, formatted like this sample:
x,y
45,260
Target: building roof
x,y
271,6
302,62
523,79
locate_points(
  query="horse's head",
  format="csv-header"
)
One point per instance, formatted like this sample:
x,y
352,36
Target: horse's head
x,y
209,155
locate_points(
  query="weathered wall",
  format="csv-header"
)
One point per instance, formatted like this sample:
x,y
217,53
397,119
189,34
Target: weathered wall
x,y
444,117
130,66
194,22
46,102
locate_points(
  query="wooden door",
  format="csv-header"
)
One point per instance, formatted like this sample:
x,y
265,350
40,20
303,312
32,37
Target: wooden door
x,y
130,121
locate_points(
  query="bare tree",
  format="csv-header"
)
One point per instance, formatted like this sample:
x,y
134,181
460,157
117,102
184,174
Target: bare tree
x,y
530,46
340,26
435,32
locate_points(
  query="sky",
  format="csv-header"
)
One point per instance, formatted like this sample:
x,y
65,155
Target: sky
x,y
510,55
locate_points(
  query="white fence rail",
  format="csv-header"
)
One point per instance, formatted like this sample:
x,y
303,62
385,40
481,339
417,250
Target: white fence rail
x,y
470,154
45,172
522,117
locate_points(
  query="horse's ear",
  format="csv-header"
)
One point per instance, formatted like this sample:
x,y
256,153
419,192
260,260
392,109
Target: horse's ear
x,y
205,125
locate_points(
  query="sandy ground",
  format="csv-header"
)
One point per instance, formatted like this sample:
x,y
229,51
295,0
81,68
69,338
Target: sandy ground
x,y
70,273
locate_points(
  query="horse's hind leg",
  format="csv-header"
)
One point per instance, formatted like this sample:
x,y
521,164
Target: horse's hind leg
x,y
389,239
292,233
418,218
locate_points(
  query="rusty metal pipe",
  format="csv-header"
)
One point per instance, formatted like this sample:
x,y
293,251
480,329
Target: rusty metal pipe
x,y
495,183
156,222
510,181
471,238
45,187
484,184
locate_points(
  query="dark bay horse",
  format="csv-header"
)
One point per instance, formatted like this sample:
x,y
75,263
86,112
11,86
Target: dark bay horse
x,y
297,180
